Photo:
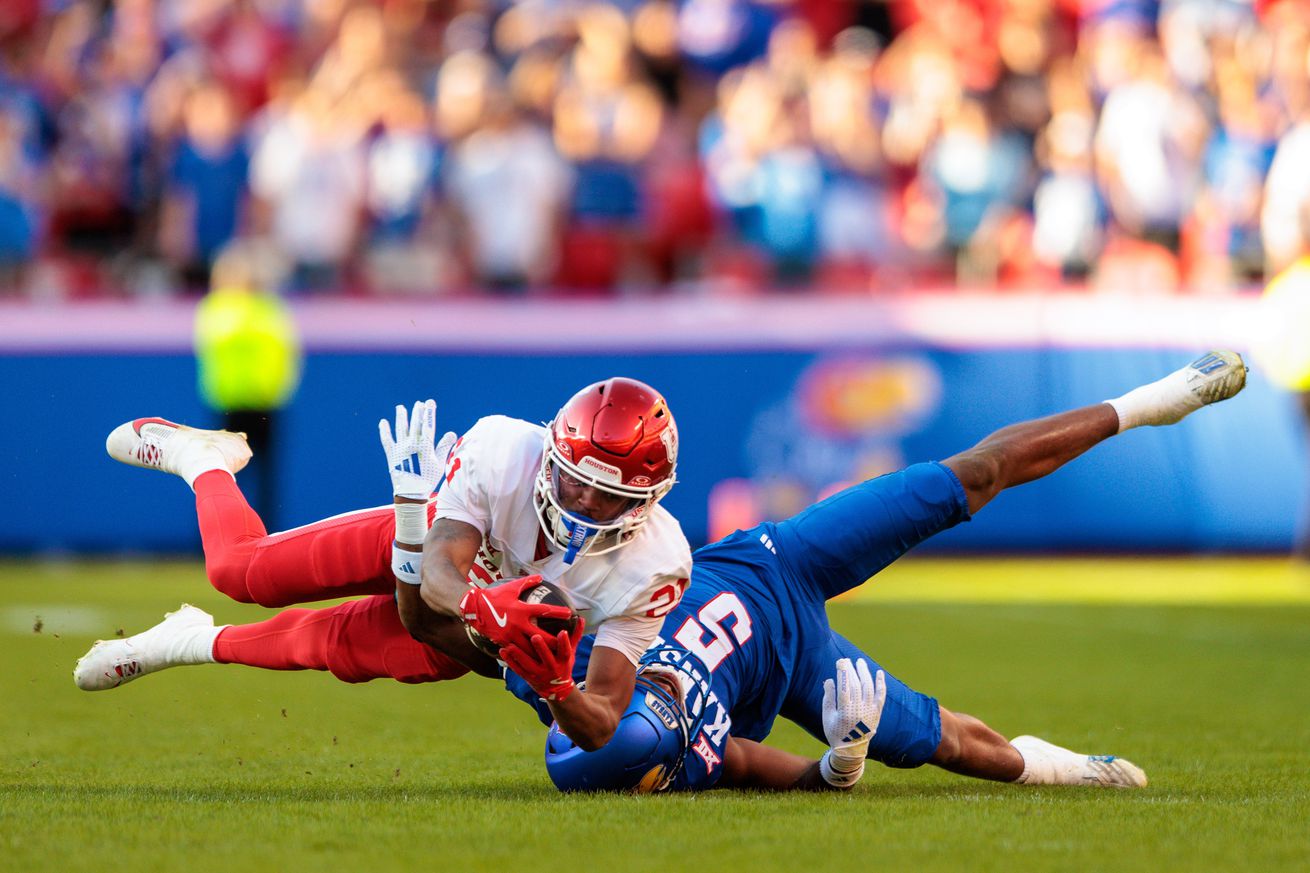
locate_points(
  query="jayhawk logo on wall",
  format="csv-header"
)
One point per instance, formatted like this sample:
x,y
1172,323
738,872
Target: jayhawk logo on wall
x,y
842,421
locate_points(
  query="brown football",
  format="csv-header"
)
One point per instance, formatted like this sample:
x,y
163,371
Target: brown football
x,y
543,592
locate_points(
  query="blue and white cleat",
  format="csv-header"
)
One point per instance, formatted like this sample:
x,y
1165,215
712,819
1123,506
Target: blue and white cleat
x,y
1215,376
183,637
1048,764
159,444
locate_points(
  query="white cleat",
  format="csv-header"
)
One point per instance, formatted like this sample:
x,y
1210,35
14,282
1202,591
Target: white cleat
x,y
159,444
1048,764
1215,376
1110,771
183,637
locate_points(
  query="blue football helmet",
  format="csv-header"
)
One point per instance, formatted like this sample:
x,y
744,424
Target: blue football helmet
x,y
646,752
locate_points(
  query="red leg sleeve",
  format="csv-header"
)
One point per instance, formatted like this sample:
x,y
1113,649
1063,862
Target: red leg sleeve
x,y
296,639
343,556
357,641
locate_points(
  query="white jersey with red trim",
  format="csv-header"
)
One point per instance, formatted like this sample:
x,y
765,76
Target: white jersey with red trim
x,y
623,595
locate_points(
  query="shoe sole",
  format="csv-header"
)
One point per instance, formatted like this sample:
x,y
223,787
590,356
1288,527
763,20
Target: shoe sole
x,y
1224,386
1118,773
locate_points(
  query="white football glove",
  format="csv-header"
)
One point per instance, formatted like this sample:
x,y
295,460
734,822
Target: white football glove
x,y
852,708
416,465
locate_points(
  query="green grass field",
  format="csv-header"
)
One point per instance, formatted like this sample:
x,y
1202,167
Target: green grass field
x,y
219,767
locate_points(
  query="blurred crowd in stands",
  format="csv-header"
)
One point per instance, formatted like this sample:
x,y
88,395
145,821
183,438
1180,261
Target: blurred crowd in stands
x,y
442,147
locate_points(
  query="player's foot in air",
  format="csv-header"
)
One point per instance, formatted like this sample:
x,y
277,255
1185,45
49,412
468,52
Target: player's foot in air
x,y
159,444
1048,764
183,637
1215,376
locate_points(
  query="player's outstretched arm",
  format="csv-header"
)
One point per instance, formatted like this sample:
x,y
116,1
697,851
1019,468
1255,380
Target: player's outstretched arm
x,y
447,635
416,464
751,765
447,554
1032,449
589,718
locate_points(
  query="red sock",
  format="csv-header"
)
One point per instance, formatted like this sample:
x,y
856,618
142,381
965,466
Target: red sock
x,y
296,639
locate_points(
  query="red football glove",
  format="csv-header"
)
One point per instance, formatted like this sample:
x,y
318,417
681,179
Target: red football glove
x,y
499,615
547,666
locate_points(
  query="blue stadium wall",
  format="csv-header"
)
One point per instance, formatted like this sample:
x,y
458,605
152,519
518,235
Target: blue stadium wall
x,y
775,406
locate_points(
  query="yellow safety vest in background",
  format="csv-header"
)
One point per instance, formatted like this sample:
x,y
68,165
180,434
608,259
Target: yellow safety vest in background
x,y
1282,348
247,350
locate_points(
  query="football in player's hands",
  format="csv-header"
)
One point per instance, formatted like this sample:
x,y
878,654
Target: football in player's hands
x,y
543,592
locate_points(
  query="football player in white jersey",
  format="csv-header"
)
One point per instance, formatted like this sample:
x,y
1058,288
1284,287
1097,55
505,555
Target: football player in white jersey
x,y
576,503
593,525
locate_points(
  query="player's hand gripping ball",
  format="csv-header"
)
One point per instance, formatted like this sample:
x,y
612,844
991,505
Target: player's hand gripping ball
x,y
533,591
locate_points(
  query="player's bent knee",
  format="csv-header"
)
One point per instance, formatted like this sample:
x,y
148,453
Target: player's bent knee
x,y
979,471
227,573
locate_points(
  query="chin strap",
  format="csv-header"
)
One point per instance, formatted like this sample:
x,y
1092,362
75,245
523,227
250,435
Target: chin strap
x,y
579,533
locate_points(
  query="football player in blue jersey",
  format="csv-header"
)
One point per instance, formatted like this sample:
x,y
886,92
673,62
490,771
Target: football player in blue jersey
x,y
750,640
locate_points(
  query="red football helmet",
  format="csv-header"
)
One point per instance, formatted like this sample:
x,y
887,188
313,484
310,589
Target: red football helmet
x,y
617,436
